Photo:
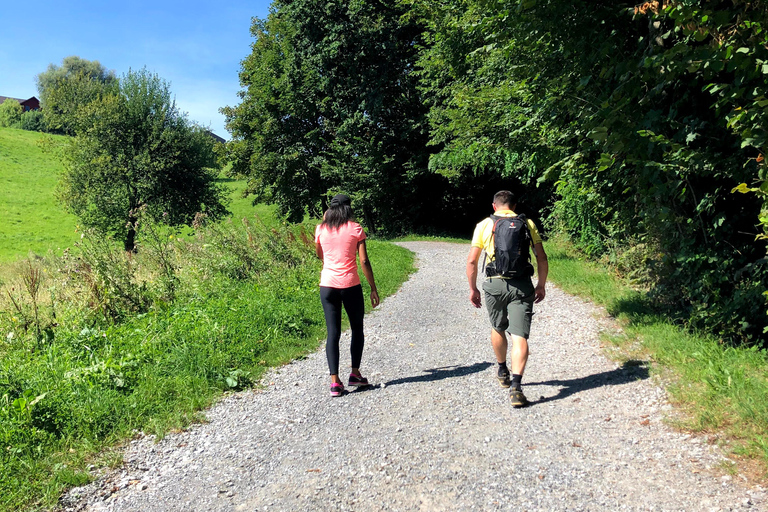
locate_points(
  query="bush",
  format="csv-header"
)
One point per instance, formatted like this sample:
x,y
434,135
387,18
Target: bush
x,y
33,121
10,113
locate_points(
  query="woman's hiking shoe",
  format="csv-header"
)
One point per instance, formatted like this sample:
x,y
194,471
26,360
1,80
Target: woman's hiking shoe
x,y
337,389
503,376
517,398
357,380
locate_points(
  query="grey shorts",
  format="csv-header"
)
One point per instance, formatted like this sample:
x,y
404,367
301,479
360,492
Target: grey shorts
x,y
510,304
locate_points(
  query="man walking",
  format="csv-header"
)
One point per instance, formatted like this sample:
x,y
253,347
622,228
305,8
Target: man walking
x,y
509,292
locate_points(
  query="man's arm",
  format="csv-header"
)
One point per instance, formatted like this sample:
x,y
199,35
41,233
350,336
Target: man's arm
x,y
542,269
474,293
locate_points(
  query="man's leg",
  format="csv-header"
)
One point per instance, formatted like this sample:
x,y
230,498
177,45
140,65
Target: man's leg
x,y
519,354
520,314
499,342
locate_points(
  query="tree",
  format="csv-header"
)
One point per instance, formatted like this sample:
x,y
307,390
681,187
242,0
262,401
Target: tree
x,y
330,104
10,113
64,88
134,150
646,120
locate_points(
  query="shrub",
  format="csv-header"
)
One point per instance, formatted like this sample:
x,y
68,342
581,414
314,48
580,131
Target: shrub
x,y
33,121
10,113
141,340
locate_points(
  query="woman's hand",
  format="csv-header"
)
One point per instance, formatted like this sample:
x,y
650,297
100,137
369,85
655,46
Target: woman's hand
x,y
374,298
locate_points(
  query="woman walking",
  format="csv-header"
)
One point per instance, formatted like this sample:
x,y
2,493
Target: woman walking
x,y
338,241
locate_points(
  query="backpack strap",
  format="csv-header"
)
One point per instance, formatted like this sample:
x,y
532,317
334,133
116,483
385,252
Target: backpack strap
x,y
494,219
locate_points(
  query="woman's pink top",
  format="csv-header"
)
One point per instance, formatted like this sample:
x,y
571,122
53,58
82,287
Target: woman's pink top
x,y
339,254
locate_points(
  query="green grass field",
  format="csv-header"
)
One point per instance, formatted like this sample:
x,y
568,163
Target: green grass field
x,y
31,220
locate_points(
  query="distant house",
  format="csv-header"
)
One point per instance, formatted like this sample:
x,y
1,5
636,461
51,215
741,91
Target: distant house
x,y
30,104
214,136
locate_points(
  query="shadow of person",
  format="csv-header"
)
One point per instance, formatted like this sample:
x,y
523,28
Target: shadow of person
x,y
628,372
445,372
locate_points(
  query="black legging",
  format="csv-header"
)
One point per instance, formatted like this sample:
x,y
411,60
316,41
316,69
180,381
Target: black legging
x,y
332,300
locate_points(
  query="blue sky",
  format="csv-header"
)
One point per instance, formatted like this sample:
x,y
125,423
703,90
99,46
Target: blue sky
x,y
196,46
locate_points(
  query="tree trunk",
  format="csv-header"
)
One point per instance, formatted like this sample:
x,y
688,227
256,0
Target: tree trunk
x,y
369,221
130,237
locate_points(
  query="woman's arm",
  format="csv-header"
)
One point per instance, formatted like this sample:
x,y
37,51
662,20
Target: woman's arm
x,y
319,250
365,263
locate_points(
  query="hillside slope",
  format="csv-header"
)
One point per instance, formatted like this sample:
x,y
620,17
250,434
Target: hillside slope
x,y
31,220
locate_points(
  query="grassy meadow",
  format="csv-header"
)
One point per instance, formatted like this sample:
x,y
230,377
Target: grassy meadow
x,y
31,220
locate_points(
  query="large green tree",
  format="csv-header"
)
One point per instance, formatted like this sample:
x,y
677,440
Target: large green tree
x,y
644,118
134,149
329,103
63,89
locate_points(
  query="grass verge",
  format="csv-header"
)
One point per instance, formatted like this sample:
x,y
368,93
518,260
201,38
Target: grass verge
x,y
721,389
115,345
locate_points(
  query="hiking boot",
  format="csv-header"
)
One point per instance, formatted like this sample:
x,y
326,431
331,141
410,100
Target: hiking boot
x,y
503,376
517,398
357,380
337,389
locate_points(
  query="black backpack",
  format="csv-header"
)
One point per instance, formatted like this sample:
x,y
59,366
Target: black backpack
x,y
511,246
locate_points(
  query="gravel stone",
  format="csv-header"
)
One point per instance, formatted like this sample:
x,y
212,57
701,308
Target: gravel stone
x,y
435,431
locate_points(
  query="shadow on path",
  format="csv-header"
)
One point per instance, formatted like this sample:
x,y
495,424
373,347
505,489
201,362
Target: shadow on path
x,y
445,372
626,373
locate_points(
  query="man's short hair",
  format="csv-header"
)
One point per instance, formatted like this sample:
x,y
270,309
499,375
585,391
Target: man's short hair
x,y
504,197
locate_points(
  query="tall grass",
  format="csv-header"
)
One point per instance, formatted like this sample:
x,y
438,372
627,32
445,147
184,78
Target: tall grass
x,y
145,342
720,388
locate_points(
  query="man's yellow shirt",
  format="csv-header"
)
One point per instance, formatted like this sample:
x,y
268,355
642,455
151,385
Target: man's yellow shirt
x,y
483,235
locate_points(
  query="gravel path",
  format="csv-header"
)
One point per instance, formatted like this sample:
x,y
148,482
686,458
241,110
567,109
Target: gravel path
x,y
436,432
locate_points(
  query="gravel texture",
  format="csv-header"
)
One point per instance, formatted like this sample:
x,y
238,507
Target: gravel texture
x,y
435,431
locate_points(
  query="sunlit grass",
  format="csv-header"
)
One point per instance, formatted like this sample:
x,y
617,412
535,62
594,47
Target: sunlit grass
x,y
31,220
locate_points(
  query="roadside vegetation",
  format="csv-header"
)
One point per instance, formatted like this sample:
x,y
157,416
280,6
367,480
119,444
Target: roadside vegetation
x,y
97,345
720,389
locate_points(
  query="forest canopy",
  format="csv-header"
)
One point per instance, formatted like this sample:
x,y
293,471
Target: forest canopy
x,y
636,130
